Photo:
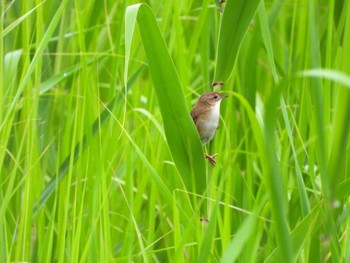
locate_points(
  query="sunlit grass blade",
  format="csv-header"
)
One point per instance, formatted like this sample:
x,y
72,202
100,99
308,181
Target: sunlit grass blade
x,y
234,25
181,134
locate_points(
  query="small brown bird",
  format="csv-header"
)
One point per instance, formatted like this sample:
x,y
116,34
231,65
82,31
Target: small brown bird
x,y
206,114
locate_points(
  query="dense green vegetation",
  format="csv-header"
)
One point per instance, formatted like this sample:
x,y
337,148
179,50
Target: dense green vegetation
x,y
101,162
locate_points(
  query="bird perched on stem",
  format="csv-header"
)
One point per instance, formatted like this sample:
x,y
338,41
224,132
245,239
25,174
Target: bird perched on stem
x,y
206,114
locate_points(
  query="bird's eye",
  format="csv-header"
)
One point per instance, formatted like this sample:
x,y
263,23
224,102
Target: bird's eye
x,y
216,96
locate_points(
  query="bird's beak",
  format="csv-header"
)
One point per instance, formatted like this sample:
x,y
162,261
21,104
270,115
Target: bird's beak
x,y
223,96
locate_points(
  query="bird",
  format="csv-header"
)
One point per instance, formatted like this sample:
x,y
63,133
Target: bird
x,y
206,114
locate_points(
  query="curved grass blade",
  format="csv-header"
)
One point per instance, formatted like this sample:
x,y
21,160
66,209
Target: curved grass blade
x,y
237,17
181,134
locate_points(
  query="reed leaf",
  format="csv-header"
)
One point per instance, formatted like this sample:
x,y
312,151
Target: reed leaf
x,y
235,22
182,136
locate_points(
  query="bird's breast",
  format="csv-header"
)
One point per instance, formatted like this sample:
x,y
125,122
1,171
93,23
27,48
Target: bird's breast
x,y
207,124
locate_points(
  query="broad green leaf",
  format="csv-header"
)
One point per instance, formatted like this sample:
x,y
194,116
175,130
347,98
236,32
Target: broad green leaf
x,y
237,17
181,134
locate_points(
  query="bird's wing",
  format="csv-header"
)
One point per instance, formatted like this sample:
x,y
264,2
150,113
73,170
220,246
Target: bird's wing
x,y
194,114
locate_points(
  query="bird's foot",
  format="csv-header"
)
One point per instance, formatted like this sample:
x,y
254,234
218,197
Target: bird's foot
x,y
211,158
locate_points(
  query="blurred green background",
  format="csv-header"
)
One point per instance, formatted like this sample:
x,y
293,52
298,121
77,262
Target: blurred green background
x,y
100,161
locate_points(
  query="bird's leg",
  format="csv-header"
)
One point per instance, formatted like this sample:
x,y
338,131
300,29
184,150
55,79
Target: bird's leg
x,y
211,158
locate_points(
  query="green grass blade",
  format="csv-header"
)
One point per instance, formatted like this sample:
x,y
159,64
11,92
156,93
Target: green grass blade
x,y
36,58
242,236
256,128
302,232
181,134
47,84
157,179
18,21
57,178
265,32
83,179
341,126
208,239
237,17
11,62
330,74
317,96
274,179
